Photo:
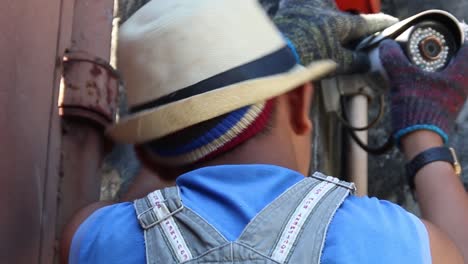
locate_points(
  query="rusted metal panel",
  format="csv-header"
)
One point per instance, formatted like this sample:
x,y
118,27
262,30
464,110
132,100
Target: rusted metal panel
x,y
50,234
34,155
28,52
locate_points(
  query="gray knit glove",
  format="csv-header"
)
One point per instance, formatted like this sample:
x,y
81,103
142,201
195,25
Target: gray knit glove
x,y
319,30
424,100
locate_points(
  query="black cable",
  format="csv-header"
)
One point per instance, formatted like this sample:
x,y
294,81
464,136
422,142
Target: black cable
x,y
346,123
351,130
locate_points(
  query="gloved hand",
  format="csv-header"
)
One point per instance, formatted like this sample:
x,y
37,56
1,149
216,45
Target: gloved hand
x,y
319,31
424,100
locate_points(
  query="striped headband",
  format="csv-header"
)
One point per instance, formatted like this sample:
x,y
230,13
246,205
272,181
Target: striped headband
x,y
234,129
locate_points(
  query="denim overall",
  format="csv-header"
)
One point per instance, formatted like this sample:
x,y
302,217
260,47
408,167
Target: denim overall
x,y
291,229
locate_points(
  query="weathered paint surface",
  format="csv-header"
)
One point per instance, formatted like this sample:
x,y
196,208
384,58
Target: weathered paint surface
x,y
29,134
45,176
89,88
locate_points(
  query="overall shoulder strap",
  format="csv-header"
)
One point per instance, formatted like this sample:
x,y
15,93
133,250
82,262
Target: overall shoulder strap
x,y
292,229
173,233
155,213
309,246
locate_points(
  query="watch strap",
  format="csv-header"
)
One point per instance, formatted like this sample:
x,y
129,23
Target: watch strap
x,y
426,157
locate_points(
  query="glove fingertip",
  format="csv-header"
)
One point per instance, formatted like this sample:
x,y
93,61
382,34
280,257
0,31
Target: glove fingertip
x,y
379,21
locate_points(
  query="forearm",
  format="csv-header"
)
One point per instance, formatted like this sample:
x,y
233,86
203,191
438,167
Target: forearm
x,y
440,193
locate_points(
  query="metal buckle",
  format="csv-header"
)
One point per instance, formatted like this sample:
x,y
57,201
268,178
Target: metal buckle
x,y
456,163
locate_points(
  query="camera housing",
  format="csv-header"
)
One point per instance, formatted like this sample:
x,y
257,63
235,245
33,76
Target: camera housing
x,y
430,39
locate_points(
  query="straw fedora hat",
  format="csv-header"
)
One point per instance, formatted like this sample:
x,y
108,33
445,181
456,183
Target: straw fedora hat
x,y
184,62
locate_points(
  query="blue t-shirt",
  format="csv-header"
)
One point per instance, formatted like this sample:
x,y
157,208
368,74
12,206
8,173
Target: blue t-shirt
x,y
363,230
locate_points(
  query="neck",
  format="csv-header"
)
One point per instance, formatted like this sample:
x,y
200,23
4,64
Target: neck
x,y
270,148
274,146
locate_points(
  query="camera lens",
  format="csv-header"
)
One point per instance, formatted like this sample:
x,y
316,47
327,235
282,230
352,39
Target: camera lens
x,y
431,48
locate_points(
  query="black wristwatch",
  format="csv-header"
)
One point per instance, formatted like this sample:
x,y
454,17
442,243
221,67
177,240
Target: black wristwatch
x,y
428,156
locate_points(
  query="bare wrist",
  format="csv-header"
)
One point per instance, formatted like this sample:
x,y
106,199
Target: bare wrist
x,y
419,141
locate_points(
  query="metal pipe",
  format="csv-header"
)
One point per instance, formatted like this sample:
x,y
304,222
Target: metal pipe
x,y
88,78
357,158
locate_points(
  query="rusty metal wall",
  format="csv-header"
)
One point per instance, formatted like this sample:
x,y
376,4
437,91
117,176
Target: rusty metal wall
x,y
48,170
29,129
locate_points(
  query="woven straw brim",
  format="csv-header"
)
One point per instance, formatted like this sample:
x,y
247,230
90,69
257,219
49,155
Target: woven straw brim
x,y
161,121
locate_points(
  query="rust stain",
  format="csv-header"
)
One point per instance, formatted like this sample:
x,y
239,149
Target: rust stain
x,y
109,84
97,91
95,71
90,87
91,84
72,87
